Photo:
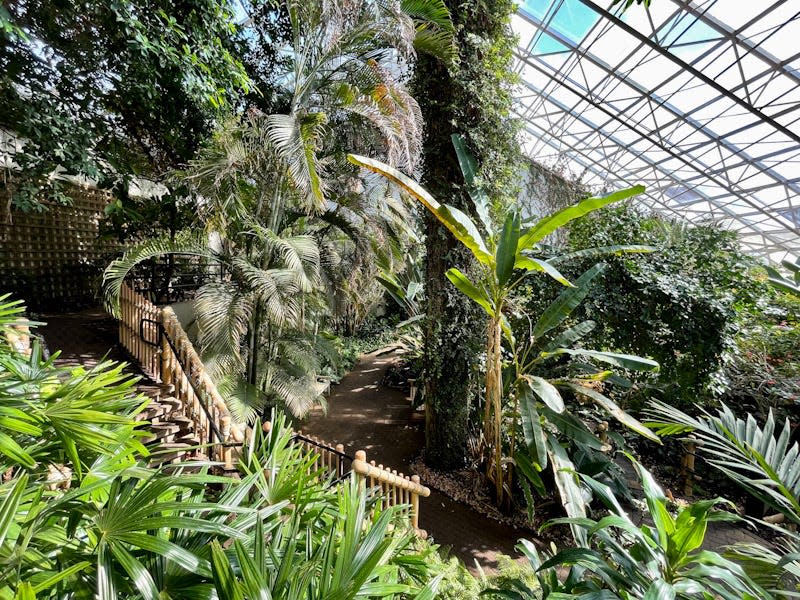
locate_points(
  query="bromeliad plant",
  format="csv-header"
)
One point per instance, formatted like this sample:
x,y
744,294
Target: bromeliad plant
x,y
505,257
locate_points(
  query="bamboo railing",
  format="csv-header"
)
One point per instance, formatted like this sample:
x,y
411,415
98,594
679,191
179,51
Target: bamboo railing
x,y
154,336
139,330
395,488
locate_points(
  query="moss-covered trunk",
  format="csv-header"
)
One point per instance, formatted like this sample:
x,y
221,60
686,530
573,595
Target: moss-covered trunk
x,y
472,98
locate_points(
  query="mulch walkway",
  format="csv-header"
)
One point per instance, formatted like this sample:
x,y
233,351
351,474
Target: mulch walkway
x,y
365,415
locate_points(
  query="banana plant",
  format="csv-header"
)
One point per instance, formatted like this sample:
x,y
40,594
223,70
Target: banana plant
x,y
790,285
505,257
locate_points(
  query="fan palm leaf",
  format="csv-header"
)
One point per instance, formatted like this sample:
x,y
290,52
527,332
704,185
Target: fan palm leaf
x,y
762,460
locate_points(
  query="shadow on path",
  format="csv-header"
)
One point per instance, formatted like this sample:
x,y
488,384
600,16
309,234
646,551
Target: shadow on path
x,y
365,415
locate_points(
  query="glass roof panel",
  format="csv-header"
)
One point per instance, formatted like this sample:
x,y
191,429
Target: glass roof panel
x,y
696,98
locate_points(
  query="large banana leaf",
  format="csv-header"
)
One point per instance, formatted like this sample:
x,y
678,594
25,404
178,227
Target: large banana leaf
x,y
469,289
625,361
611,407
544,266
566,302
507,248
548,225
568,488
459,224
469,168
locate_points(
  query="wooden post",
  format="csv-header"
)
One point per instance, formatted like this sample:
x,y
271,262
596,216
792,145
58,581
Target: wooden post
x,y
415,504
362,456
339,465
688,466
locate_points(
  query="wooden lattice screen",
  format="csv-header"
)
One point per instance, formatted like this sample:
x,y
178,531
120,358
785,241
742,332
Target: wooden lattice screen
x,y
54,259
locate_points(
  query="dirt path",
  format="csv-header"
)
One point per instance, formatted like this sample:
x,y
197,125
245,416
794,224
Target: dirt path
x,y
363,414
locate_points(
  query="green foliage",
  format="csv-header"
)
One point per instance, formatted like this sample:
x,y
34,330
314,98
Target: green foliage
x,y
504,258
470,95
678,304
623,560
790,285
82,516
111,90
763,373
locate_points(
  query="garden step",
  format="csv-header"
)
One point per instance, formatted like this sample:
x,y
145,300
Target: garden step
x,y
168,453
153,412
172,403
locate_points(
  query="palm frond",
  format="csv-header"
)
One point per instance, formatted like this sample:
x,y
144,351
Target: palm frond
x,y
188,243
763,464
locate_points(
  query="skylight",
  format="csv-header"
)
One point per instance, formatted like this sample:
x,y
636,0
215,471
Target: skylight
x,y
698,100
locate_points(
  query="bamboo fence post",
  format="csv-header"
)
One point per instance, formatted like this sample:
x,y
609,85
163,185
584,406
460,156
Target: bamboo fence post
x,y
339,465
362,456
415,504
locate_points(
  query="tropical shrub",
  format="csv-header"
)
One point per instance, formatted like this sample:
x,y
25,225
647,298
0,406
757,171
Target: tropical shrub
x,y
762,373
762,460
626,561
679,304
82,515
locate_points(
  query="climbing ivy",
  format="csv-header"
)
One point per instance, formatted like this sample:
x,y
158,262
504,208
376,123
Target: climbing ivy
x,y
471,96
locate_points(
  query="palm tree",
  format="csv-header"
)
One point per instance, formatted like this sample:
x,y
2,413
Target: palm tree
x,y
274,189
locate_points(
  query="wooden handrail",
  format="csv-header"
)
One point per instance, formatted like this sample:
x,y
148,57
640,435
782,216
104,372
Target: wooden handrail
x,y
155,337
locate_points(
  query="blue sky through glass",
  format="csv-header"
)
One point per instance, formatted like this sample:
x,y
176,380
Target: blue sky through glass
x,y
572,19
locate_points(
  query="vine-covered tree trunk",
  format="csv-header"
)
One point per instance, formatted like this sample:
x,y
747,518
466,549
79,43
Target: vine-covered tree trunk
x,y
470,97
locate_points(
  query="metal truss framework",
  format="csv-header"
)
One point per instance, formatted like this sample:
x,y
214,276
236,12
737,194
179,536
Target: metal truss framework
x,y
698,100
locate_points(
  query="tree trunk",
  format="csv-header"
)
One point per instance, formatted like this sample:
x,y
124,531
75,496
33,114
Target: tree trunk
x,y
494,405
471,98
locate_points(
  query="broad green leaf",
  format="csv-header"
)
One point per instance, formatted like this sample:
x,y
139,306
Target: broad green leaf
x,y
396,176
603,251
568,487
657,505
464,230
532,426
530,472
660,590
507,248
459,224
608,405
534,264
566,302
584,557
466,287
625,361
549,224
469,168
571,335
573,428
547,392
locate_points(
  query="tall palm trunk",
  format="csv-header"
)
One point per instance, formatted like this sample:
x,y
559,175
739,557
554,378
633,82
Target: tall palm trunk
x,y
494,399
